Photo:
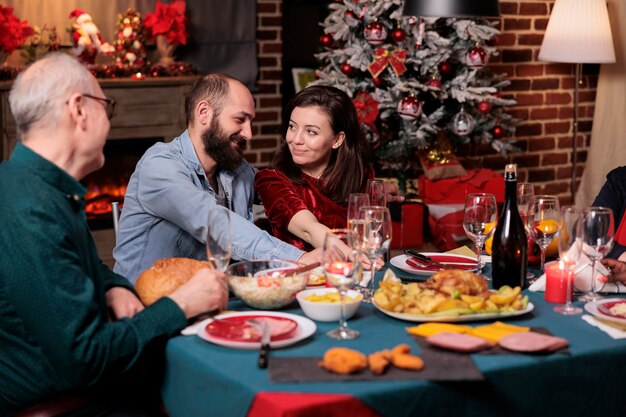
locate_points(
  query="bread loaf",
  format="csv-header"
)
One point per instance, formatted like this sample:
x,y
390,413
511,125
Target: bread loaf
x,y
164,276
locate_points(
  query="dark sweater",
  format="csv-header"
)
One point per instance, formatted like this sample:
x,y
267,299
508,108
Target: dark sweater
x,y
613,195
55,333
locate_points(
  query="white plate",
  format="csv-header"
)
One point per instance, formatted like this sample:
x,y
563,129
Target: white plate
x,y
462,317
400,262
592,308
306,327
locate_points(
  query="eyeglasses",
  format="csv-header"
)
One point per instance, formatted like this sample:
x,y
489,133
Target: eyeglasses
x,y
109,104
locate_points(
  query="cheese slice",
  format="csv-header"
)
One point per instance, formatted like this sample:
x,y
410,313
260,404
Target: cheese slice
x,y
495,331
429,329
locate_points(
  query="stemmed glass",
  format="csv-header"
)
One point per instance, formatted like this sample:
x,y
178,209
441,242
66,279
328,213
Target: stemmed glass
x,y
525,191
570,244
375,239
376,192
480,210
342,272
598,233
542,223
355,202
219,243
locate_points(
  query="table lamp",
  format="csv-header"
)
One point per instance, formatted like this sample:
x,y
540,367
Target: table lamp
x,y
452,8
578,32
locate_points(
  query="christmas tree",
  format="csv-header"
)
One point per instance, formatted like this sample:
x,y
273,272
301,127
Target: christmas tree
x,y
414,79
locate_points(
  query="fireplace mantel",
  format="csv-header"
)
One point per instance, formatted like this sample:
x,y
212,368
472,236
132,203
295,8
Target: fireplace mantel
x,y
149,108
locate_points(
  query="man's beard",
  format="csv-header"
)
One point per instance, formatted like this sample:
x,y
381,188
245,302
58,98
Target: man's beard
x,y
217,144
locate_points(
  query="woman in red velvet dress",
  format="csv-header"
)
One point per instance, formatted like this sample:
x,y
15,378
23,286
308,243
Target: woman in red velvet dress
x,y
321,161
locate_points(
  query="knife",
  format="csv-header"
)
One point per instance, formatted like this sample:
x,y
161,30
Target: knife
x,y
431,261
265,345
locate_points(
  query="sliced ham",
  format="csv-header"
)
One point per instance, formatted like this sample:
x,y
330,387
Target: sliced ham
x,y
532,342
458,342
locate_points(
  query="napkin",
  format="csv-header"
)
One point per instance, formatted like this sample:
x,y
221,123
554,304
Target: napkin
x,y
614,330
466,251
582,278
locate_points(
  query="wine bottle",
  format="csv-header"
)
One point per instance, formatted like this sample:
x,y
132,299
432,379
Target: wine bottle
x,y
509,250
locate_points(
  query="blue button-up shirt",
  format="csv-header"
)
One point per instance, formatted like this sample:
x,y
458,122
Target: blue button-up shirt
x,y
166,210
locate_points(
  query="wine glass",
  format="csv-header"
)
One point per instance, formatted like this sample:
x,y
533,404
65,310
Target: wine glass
x,y
542,223
479,217
598,233
376,192
355,202
342,272
525,191
570,245
219,243
376,239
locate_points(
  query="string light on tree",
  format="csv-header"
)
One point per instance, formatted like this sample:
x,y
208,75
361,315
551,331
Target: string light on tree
x,y
498,132
326,40
445,68
484,106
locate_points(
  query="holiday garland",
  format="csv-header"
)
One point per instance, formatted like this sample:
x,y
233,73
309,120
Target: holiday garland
x,y
424,75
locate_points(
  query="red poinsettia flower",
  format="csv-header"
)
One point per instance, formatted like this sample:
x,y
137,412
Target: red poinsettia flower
x,y
366,108
168,20
13,32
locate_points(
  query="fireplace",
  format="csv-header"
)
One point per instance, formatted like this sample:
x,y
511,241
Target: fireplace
x,y
108,184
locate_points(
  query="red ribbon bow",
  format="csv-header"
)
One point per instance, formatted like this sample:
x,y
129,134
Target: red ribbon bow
x,y
384,57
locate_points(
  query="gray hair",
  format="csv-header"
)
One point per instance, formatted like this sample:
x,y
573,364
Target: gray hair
x,y
39,93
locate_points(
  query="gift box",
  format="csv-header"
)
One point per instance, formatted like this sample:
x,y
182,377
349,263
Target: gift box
x,y
407,225
454,190
445,200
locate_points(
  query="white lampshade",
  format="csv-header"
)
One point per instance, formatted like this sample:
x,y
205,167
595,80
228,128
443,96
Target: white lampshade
x,y
578,32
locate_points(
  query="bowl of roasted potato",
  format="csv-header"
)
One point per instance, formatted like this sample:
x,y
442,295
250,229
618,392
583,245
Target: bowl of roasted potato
x,y
323,304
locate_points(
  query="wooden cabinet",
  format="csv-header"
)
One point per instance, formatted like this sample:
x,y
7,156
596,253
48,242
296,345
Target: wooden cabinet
x,y
150,108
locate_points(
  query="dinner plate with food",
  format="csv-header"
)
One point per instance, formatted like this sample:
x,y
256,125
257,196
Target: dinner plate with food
x,y
423,267
242,330
609,309
449,296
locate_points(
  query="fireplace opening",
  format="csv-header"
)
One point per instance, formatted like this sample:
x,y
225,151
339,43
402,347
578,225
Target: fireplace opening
x,y
108,184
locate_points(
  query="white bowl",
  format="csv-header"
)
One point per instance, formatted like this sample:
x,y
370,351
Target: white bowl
x,y
321,311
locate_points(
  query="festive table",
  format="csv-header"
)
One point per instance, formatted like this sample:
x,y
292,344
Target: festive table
x,y
204,379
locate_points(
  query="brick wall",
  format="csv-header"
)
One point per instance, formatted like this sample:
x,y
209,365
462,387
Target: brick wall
x,y
543,90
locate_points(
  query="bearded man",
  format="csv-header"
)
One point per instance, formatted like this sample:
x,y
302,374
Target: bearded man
x,y
176,184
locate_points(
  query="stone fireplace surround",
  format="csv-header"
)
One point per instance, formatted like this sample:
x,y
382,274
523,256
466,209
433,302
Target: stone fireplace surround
x,y
146,109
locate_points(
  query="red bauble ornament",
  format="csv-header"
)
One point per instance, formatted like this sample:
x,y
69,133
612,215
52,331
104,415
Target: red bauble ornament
x,y
377,81
375,33
347,69
498,132
445,68
326,40
476,57
398,35
410,108
434,82
484,107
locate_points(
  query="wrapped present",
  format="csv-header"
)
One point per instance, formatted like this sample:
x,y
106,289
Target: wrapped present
x,y
407,224
445,200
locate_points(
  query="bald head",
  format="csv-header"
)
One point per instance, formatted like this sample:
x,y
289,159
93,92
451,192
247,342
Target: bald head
x,y
39,93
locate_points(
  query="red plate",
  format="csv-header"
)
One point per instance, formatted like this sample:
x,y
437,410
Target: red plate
x,y
605,308
238,329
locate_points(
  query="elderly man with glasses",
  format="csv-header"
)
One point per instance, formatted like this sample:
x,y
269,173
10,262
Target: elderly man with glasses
x,y
72,332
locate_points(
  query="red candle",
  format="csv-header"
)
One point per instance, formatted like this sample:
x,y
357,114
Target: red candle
x,y
340,267
556,283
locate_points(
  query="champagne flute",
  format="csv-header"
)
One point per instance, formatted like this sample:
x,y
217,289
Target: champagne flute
x,y
376,240
342,272
479,217
570,244
525,191
355,202
542,223
219,243
598,234
376,192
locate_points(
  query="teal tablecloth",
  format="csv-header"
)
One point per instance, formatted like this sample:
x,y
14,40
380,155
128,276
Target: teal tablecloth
x,y
203,379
